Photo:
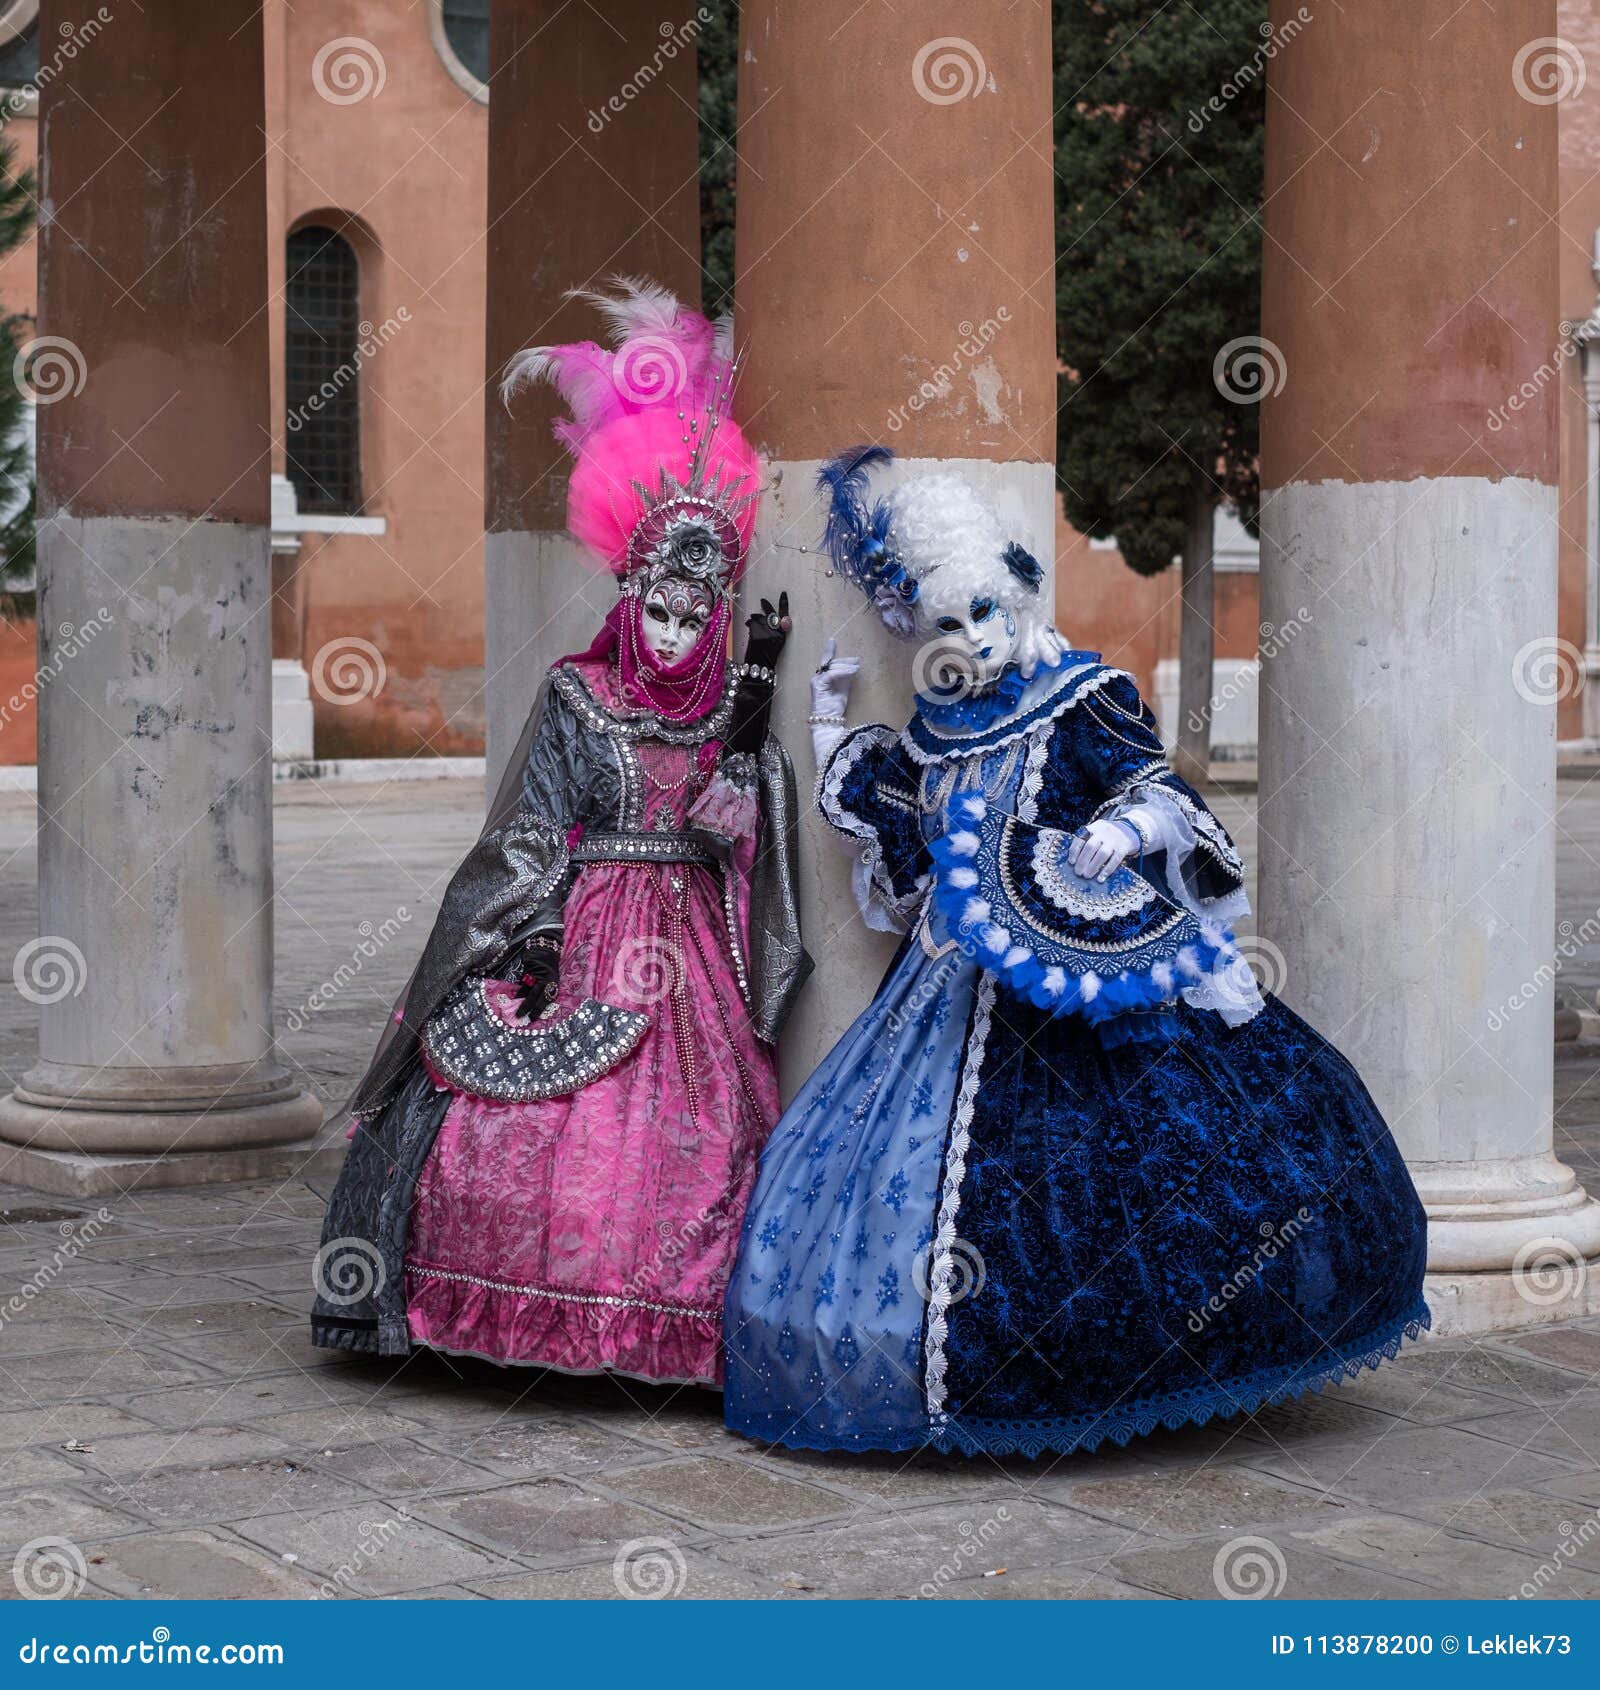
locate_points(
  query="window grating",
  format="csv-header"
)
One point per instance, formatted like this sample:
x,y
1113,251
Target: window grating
x,y
322,375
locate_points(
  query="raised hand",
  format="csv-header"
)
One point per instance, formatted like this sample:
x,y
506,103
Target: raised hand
x,y
831,684
752,700
769,630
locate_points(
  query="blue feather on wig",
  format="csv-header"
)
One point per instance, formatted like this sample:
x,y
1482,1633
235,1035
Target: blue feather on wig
x,y
857,534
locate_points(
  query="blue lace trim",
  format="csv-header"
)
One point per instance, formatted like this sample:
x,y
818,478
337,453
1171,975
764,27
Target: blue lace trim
x,y
1120,1424
1078,674
977,710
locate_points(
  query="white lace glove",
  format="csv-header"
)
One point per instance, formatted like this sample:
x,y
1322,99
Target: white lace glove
x,y
1099,849
830,699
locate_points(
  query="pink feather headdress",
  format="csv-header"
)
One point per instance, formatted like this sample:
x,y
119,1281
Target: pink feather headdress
x,y
664,483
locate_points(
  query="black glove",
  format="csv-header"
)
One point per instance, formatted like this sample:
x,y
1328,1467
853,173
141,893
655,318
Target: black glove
x,y
752,701
538,971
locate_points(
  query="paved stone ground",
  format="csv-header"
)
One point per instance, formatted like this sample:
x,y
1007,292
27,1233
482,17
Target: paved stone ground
x,y
161,1408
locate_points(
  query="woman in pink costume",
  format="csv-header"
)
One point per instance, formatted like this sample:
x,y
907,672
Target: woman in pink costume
x,y
554,1144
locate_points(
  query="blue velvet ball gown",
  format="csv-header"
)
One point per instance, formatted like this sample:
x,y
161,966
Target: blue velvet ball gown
x,y
991,1221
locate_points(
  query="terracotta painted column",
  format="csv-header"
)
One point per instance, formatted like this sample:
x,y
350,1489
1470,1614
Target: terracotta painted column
x,y
1408,803
896,283
153,969
593,171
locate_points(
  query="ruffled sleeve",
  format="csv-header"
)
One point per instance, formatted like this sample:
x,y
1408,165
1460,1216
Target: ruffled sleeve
x,y
868,791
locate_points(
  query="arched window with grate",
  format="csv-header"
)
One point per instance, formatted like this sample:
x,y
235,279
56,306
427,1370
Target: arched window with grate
x,y
322,375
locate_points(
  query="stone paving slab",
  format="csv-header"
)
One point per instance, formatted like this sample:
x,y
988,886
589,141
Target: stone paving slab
x,y
372,1550
1448,1563
649,1573
1216,1498
902,1551
1570,1430
1411,1463
196,1564
1260,1567
185,1496
707,1491
1550,1529
142,1452
543,1519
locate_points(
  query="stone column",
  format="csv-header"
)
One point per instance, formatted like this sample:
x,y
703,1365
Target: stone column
x,y
1408,568
896,283
292,723
153,970
593,171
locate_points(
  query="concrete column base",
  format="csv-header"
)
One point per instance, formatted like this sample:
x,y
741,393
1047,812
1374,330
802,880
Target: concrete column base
x,y
1468,1305
76,1174
1511,1243
267,1110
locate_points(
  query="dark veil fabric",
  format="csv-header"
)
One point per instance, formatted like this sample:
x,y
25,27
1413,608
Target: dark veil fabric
x,y
516,873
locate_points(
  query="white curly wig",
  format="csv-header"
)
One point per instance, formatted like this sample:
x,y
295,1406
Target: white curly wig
x,y
950,540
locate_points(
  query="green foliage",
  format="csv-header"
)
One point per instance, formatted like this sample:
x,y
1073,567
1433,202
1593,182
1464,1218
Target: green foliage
x,y
17,205
717,51
1158,254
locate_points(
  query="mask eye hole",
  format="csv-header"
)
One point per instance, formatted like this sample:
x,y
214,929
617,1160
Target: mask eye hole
x,y
656,614
982,609
949,625
693,624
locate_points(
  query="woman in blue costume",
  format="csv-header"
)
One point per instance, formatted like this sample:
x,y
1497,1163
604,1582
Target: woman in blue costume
x,y
1068,1177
